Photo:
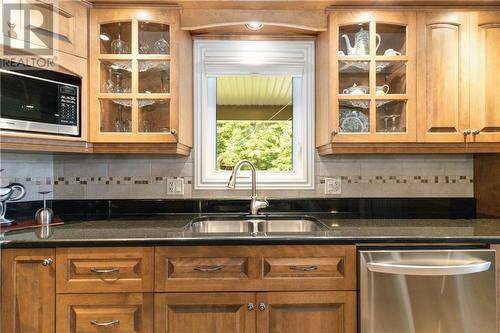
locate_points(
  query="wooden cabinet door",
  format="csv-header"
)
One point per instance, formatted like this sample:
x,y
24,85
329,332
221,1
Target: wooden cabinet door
x,y
50,24
298,312
485,77
442,76
204,312
28,290
58,25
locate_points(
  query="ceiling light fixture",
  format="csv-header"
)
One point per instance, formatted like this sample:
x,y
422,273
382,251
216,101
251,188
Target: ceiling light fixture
x,y
104,37
254,25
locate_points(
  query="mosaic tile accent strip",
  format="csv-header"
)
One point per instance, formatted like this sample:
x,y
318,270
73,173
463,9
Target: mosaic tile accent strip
x,y
404,179
90,180
161,180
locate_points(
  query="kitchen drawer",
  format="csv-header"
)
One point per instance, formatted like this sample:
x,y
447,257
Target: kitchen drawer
x,y
117,313
325,267
255,268
208,268
91,270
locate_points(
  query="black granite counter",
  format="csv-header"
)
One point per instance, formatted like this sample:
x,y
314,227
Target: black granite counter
x,y
168,229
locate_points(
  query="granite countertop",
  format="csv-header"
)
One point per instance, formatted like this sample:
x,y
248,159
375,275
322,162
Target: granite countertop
x,y
169,230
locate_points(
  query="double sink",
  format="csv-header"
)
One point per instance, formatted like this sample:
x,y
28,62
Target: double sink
x,y
255,224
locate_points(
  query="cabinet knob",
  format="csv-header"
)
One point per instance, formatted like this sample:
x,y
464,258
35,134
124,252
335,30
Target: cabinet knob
x,y
262,306
47,261
335,131
475,131
467,132
173,131
250,306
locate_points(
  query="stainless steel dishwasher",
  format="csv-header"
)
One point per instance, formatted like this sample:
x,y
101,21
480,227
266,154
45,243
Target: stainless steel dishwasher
x,y
427,291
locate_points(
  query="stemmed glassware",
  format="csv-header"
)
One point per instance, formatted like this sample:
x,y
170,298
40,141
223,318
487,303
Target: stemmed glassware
x,y
161,45
109,85
119,46
144,46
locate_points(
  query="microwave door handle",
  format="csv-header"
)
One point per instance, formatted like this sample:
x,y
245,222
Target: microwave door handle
x,y
403,269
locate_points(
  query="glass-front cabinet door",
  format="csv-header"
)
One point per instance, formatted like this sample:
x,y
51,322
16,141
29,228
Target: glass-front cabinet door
x,y
374,77
131,60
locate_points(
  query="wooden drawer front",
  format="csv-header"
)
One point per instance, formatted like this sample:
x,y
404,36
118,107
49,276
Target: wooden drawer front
x,y
203,268
325,267
303,267
208,268
89,270
117,313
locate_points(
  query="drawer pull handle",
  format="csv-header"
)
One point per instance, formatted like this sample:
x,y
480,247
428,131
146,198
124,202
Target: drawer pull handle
x,y
210,268
304,268
107,323
104,271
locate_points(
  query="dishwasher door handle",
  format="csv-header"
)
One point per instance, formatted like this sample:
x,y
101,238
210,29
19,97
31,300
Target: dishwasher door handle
x,y
403,269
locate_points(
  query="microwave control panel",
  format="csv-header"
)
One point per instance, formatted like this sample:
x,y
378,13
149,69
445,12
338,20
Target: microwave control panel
x,y
68,105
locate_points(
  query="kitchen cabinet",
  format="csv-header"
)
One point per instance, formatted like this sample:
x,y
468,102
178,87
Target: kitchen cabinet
x,y
140,95
370,92
56,25
485,76
443,76
281,288
288,312
52,24
457,75
451,62
28,290
261,289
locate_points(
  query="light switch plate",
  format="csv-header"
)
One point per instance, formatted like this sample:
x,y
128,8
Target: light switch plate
x,y
333,185
175,186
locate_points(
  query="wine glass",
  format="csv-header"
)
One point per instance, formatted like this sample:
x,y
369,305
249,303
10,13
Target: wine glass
x,y
109,85
161,45
144,47
395,127
119,46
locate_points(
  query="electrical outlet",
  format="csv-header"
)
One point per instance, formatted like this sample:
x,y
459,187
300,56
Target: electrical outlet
x,y
175,186
333,186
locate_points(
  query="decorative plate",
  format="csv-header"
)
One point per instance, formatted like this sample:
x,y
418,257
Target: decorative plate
x,y
353,121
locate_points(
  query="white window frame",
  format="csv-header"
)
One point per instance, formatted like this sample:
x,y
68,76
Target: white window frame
x,y
214,58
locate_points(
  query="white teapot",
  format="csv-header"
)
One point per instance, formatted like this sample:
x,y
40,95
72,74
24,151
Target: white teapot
x,y
361,43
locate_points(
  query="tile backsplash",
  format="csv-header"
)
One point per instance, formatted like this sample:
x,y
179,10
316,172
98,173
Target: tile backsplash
x,y
78,176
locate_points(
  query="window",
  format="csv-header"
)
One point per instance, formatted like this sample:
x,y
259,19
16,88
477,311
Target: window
x,y
254,101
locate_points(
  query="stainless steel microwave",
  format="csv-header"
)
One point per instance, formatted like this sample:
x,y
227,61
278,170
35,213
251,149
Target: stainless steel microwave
x,y
39,100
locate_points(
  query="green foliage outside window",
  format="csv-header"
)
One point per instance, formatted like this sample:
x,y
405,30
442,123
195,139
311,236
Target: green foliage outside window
x,y
268,144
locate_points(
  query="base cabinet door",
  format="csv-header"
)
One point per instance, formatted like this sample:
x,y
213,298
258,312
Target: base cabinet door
x,y
298,312
28,291
204,312
117,313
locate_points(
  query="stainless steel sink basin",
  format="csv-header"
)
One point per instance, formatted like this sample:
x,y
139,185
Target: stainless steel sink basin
x,y
255,224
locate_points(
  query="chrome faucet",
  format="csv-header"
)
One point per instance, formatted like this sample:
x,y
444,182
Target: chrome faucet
x,y
256,204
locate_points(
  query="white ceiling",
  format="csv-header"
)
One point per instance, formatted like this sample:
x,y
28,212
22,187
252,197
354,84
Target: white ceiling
x,y
254,90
